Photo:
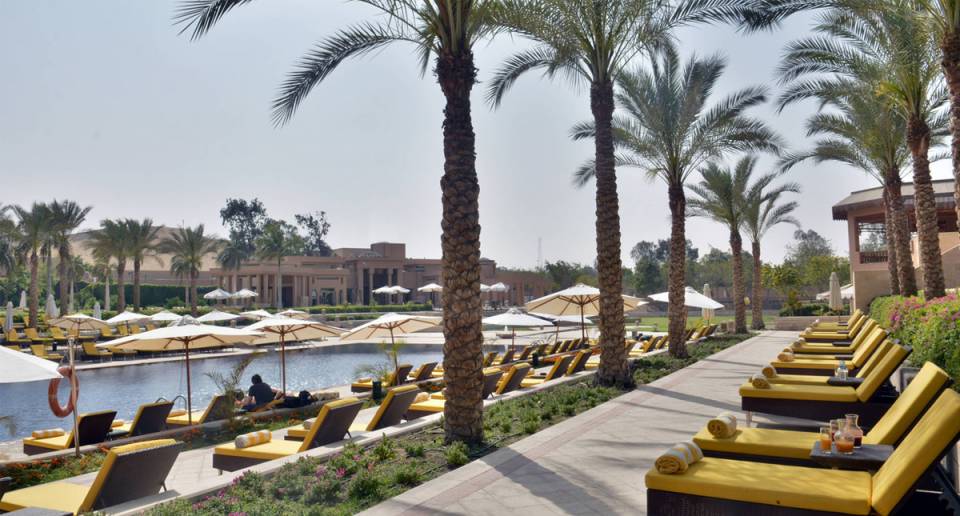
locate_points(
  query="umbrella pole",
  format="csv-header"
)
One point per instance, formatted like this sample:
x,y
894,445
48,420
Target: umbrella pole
x,y
583,326
73,395
189,404
283,362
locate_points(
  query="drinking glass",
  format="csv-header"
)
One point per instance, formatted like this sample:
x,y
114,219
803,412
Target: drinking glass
x,y
826,439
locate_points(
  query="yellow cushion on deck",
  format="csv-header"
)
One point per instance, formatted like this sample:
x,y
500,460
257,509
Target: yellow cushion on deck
x,y
770,484
911,402
798,379
61,496
531,382
266,451
298,432
826,365
800,392
431,405
60,442
182,419
760,441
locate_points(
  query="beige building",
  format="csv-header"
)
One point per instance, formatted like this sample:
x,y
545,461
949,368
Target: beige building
x,y
351,275
863,212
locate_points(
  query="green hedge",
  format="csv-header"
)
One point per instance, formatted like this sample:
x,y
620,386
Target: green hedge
x,y
810,309
361,309
932,328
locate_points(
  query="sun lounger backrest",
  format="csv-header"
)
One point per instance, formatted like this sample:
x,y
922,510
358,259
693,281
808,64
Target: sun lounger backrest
x,y
131,472
514,377
399,376
912,402
490,380
219,407
579,362
393,407
332,423
525,353
150,418
424,372
94,426
508,356
488,358
875,358
863,352
106,332
936,432
857,325
888,364
559,367
645,346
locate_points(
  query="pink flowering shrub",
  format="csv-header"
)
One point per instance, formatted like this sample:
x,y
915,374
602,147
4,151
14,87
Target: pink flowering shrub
x,y
932,328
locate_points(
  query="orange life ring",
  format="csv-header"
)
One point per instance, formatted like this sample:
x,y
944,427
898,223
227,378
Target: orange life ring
x,y
52,398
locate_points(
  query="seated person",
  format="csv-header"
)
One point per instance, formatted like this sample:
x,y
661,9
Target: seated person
x,y
259,394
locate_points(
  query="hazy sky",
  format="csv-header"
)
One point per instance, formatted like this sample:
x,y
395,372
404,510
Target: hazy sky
x,y
103,103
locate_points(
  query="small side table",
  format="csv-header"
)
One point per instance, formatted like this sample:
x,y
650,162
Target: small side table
x,y
849,381
868,457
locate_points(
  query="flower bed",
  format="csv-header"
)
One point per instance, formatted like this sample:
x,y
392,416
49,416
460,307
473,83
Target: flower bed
x,y
932,328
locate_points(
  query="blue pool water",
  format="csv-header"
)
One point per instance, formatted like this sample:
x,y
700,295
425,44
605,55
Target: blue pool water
x,y
125,388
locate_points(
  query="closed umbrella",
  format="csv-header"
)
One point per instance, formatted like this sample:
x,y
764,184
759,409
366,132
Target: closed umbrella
x,y
296,329
51,307
185,336
691,298
165,316
706,313
217,316
73,323
23,300
513,319
256,315
390,324
294,314
836,301
8,318
97,313
580,300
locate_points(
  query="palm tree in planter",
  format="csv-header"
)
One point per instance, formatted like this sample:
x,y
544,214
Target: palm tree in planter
x,y
231,258
110,243
670,129
188,248
33,226
444,31
141,243
761,212
591,43
67,217
278,241
892,48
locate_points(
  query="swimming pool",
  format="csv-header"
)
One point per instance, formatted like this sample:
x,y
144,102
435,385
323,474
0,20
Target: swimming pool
x,y
125,388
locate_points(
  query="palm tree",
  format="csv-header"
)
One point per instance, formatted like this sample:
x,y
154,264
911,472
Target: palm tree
x,y
33,226
141,242
8,234
761,212
444,31
862,130
231,258
720,196
590,43
67,216
110,243
188,248
893,47
278,241
670,131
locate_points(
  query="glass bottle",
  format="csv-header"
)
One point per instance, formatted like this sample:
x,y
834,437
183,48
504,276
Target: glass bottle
x,y
852,428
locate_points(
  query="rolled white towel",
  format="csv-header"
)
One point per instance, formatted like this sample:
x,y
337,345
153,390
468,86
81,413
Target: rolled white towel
x,y
723,426
759,381
117,422
307,423
678,458
45,434
252,439
769,371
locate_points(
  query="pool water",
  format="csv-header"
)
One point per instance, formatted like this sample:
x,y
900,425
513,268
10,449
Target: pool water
x,y
125,388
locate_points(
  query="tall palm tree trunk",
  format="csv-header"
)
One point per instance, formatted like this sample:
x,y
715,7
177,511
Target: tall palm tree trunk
x,y
892,258
756,318
613,356
460,240
136,285
676,310
34,303
906,275
739,291
48,257
193,294
950,46
279,284
918,139
121,294
64,278
106,289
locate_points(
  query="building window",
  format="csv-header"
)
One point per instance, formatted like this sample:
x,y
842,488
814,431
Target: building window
x,y
872,242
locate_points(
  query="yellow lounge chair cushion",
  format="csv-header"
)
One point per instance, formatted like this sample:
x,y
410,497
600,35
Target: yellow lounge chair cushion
x,y
123,427
798,379
363,384
800,392
771,484
431,405
183,421
531,382
299,432
265,451
760,441
46,434
908,407
826,365
60,496
60,442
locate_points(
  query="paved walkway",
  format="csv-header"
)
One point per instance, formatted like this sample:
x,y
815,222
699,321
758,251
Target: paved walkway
x,y
595,463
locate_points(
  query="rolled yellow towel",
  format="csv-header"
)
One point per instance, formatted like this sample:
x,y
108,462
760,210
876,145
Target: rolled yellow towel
x,y
785,356
365,380
307,423
671,462
769,371
421,397
44,434
178,412
117,422
723,426
759,382
796,345
253,438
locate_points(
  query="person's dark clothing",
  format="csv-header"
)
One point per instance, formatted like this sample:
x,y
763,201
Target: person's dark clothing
x,y
261,393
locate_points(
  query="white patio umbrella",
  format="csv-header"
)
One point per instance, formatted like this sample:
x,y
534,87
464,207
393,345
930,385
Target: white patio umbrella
x,y
97,313
73,323
217,295
165,316
126,318
51,307
691,298
390,324
217,316
580,300
16,367
706,313
513,319
23,300
836,301
8,318
298,329
385,290
399,291
184,336
484,288
431,288
293,314
243,294
561,320
256,315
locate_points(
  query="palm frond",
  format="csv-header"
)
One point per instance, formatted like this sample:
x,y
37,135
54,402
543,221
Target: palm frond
x,y
199,16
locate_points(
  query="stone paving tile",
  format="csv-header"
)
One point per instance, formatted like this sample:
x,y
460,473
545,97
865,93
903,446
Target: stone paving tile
x,y
594,463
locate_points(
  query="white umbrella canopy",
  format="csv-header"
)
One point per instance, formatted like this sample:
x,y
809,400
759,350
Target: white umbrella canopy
x,y
516,318
577,300
293,314
397,289
243,294
16,367
390,324
97,314
126,318
79,322
430,288
165,316
559,320
283,328
217,316
217,294
256,314
499,287
706,313
386,289
184,336
691,298
484,288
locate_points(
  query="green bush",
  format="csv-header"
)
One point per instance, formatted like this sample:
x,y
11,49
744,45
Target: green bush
x,y
932,328
457,454
360,309
811,309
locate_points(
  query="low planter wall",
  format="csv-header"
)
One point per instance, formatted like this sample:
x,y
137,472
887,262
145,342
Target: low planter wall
x,y
799,323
